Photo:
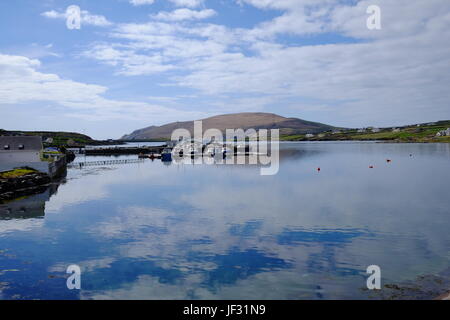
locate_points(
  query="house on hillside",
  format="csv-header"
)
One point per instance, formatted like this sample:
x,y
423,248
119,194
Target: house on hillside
x,y
443,133
48,140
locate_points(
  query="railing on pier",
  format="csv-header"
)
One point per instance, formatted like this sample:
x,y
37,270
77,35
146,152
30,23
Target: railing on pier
x,y
103,163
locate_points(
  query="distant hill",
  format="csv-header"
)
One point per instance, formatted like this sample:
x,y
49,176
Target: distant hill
x,y
259,120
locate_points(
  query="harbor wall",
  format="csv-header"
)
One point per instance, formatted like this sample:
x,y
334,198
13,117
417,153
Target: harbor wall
x,y
53,169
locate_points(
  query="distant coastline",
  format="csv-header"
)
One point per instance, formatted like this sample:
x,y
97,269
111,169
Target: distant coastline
x,y
435,132
295,129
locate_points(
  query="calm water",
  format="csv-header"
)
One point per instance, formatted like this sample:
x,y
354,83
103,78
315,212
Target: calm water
x,y
155,231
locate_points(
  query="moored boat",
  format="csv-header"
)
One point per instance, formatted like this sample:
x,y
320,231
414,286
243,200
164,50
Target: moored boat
x,y
166,155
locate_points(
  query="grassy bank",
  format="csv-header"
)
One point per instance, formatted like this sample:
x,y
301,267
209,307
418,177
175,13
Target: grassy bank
x,y
15,173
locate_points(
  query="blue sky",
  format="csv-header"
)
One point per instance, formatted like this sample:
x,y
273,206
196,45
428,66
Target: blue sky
x,y
136,63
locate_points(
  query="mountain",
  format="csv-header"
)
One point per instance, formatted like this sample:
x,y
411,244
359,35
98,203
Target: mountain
x,y
255,120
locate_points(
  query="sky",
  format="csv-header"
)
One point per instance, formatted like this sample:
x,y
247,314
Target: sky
x,y
136,63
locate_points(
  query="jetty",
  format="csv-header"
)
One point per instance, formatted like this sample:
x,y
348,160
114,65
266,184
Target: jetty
x,y
103,163
102,151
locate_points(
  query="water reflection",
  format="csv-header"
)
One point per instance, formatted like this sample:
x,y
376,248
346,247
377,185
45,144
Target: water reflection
x,y
151,231
26,207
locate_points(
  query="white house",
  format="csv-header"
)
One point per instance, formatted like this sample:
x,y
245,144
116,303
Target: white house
x,y
375,130
18,149
49,140
309,135
443,133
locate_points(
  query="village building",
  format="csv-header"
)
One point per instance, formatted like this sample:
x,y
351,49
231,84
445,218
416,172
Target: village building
x,y
27,151
49,140
443,133
20,149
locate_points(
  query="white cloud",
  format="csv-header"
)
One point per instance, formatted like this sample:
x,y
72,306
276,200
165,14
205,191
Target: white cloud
x,y
400,71
288,4
178,3
184,14
21,82
187,3
131,62
141,2
86,18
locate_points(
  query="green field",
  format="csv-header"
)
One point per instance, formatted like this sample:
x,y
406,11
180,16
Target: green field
x,y
413,133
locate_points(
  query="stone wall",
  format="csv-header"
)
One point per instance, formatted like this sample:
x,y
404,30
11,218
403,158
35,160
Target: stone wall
x,y
57,168
53,169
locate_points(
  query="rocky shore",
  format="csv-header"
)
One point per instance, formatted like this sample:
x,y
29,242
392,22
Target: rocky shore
x,y
445,296
424,287
31,183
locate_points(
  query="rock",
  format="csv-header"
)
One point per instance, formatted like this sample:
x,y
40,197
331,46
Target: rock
x,y
27,184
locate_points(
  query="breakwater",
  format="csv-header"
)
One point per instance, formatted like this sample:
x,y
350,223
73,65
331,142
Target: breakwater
x,y
122,151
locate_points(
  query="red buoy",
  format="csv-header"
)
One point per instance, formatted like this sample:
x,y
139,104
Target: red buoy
x,y
370,167
318,169
388,160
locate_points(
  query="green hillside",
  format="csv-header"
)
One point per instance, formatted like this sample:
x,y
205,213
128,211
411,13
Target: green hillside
x,y
411,133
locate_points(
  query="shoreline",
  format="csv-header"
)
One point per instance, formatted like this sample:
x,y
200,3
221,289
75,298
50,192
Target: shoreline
x,y
432,286
363,140
445,296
